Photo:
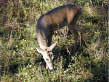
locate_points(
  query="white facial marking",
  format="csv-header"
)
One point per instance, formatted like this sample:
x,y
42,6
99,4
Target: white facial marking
x,y
48,60
47,55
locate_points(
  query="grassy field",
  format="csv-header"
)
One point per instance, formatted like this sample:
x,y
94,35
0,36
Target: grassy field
x,y
74,61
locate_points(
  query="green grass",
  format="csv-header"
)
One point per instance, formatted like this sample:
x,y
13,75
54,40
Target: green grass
x,y
20,62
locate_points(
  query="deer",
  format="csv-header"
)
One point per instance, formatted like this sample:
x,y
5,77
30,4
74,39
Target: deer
x,y
51,21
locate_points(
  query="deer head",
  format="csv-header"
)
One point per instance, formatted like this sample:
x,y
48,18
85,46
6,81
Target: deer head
x,y
47,55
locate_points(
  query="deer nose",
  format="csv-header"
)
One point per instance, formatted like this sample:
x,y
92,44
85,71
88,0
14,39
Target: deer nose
x,y
51,68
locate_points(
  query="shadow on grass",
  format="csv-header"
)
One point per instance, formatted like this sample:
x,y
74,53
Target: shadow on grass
x,y
99,71
66,52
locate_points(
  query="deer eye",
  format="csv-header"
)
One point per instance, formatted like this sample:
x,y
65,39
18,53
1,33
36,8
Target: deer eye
x,y
47,59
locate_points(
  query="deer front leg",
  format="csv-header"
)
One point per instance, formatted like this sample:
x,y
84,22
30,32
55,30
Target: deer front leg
x,y
72,29
49,40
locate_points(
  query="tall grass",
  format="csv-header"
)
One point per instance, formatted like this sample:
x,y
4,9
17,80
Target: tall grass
x,y
19,60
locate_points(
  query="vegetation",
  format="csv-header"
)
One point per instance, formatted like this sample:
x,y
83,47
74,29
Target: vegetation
x,y
75,61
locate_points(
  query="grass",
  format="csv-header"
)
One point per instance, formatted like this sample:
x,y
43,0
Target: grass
x,y
20,62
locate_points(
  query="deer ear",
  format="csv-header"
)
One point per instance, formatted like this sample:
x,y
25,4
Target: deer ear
x,y
40,50
52,46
